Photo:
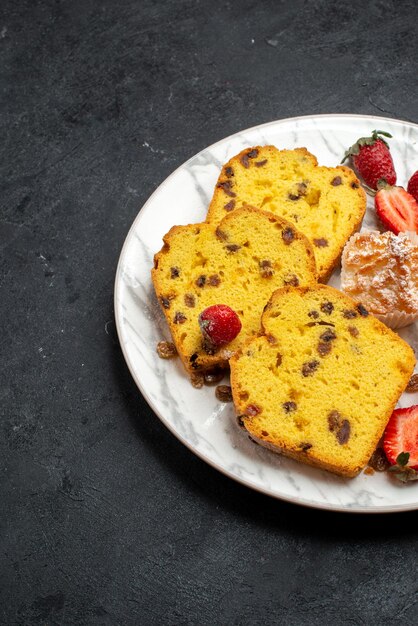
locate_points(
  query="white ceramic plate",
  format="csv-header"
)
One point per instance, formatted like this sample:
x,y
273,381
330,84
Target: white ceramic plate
x,y
203,424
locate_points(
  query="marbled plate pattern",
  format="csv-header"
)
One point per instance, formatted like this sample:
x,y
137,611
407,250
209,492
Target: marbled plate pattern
x,y
202,423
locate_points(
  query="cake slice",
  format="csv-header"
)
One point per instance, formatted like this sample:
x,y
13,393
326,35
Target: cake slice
x,y
238,263
320,385
327,204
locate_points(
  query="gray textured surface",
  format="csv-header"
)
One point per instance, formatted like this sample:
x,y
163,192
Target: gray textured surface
x,y
105,518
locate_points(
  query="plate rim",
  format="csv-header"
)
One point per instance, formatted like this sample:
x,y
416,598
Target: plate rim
x,y
117,284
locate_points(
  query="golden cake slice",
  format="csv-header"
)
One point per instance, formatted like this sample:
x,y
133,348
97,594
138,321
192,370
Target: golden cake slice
x,y
238,263
327,204
322,382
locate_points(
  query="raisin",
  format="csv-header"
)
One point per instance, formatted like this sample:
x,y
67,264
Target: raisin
x,y
327,307
378,460
328,335
324,348
229,205
166,350
226,186
221,234
264,433
289,407
240,421
266,269
174,272
223,393
233,247
213,376
252,410
261,163
305,446
271,339
348,314
288,235
201,281
279,359
334,418
229,171
252,154
244,160
193,357
293,281
354,332
214,280
343,432
189,300
309,368
355,185
166,301
412,386
321,243
301,191
362,310
313,314
179,318
197,380
341,427
336,181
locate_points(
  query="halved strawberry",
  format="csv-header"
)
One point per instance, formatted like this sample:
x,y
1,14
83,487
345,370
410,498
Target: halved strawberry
x,y
401,435
413,185
397,209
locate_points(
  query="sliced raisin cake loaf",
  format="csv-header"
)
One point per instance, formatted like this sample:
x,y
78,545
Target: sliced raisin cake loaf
x,y
327,204
238,263
322,382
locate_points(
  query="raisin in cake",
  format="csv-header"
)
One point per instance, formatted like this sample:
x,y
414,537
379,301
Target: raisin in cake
x,y
327,204
322,382
238,263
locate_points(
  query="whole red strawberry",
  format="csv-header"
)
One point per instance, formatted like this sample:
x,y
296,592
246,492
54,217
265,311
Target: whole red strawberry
x,y
219,325
397,209
413,185
372,159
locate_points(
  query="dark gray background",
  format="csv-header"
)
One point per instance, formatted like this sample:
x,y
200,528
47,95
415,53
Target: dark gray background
x,y
105,517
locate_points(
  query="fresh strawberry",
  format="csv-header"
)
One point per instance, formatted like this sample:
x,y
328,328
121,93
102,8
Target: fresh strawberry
x,y
397,209
219,325
401,436
372,159
413,185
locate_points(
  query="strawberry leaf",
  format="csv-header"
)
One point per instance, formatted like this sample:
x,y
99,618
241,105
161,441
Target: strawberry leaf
x,y
376,133
401,471
381,132
366,141
402,459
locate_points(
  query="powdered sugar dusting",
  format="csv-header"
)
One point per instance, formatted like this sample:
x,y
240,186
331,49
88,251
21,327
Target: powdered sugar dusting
x,y
381,270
